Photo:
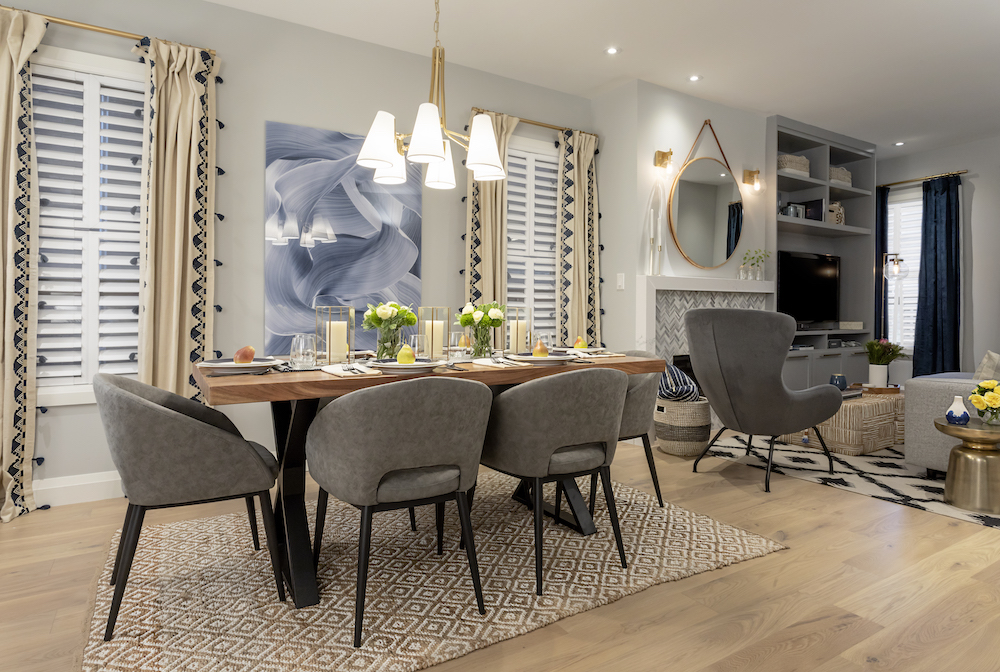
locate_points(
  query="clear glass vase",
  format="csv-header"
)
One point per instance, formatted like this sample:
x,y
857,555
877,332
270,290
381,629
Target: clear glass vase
x,y
389,343
482,343
744,273
758,273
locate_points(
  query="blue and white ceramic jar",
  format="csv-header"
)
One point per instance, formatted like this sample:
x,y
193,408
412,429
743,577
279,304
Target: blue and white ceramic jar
x,y
957,413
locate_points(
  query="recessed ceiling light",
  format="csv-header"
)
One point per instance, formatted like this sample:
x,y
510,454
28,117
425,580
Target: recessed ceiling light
x,y
899,144
611,51
722,174
695,78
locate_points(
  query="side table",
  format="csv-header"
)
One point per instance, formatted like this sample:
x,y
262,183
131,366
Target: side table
x,y
973,481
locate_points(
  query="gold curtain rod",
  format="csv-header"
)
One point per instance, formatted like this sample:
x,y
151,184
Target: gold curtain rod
x,y
97,29
480,110
924,179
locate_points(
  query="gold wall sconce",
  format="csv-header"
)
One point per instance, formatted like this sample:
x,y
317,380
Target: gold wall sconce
x,y
665,161
752,177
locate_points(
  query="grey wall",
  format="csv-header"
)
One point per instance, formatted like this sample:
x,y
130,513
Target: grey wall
x,y
980,235
276,71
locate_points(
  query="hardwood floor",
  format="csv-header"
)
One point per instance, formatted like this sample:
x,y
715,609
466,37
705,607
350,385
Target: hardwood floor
x,y
864,585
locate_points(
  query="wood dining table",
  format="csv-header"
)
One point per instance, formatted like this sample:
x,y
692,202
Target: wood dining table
x,y
294,398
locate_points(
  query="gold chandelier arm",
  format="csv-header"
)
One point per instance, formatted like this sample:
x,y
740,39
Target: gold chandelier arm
x,y
459,139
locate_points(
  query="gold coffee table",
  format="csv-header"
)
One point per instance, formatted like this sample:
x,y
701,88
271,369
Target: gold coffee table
x,y
973,481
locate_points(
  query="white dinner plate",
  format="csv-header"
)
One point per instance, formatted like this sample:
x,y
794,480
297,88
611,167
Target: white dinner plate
x,y
551,360
228,366
419,366
587,350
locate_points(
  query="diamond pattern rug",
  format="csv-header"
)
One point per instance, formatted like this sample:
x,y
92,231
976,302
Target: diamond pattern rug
x,y
883,474
200,598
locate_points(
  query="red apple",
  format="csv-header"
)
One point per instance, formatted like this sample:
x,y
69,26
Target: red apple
x,y
244,355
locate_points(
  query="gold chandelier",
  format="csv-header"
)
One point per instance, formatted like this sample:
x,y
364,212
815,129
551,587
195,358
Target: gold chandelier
x,y
386,151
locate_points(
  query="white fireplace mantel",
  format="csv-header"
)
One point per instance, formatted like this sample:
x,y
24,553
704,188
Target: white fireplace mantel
x,y
648,285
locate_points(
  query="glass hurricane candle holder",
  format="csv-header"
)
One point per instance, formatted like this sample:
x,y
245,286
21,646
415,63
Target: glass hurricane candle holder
x,y
518,328
434,323
334,330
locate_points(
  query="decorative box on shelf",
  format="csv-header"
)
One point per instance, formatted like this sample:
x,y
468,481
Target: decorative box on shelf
x,y
794,164
840,175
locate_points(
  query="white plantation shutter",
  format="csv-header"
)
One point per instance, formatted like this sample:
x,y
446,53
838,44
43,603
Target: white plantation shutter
x,y
905,220
531,234
88,131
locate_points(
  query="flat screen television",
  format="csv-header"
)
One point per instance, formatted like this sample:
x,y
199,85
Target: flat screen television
x,y
809,287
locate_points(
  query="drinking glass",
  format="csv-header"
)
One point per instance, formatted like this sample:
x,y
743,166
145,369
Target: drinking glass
x,y
547,338
459,347
418,343
303,353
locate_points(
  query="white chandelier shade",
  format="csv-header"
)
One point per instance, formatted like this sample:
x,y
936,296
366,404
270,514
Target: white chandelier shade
x,y
484,157
394,174
441,175
427,142
380,143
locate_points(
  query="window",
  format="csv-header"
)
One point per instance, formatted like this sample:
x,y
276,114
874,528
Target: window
x,y
532,177
88,139
905,218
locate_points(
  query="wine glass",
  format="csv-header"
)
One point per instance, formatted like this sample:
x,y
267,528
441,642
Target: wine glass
x,y
418,343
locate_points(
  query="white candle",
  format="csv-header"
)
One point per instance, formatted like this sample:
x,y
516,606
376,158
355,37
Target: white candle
x,y
519,336
434,337
336,340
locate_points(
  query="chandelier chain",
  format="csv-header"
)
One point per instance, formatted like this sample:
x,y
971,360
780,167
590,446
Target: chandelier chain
x,y
437,21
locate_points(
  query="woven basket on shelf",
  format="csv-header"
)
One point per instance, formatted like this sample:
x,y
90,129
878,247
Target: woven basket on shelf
x,y
682,427
839,174
793,162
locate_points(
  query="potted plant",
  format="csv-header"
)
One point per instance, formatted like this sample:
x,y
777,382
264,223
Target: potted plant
x,y
483,319
880,354
389,319
986,399
753,264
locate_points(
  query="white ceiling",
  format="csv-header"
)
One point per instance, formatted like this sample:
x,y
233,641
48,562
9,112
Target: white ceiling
x,y
925,72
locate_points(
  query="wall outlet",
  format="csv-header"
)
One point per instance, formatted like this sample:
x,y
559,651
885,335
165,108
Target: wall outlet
x,y
621,281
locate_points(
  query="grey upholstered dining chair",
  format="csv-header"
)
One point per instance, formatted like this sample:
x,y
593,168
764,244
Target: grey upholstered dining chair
x,y
396,446
737,356
171,451
559,427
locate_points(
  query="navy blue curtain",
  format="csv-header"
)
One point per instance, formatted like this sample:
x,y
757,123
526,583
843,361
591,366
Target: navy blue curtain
x,y
735,226
881,247
936,345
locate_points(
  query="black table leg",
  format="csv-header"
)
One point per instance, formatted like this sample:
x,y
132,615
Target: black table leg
x,y
291,422
577,518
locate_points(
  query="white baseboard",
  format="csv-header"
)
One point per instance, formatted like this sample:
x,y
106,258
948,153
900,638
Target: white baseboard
x,y
76,489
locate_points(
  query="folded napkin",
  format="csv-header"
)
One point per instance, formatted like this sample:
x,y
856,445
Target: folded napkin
x,y
583,354
507,363
338,370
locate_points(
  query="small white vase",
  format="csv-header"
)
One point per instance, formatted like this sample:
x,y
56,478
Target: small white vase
x,y
878,375
957,414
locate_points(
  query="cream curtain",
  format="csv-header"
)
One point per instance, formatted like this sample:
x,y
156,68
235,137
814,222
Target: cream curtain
x,y
578,264
177,220
486,226
21,33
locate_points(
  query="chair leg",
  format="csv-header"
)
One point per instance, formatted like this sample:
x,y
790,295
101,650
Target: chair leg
x,y
118,556
252,514
130,541
593,493
471,496
539,514
770,462
609,497
321,503
707,448
825,449
439,521
271,532
652,467
465,518
364,547
559,494
749,443
413,520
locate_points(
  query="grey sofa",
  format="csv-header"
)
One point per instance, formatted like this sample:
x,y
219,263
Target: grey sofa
x,y
928,397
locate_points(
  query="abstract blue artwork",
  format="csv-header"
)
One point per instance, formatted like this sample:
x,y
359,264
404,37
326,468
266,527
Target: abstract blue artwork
x,y
331,231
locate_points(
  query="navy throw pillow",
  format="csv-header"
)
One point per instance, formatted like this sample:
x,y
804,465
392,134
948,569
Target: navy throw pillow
x,y
675,385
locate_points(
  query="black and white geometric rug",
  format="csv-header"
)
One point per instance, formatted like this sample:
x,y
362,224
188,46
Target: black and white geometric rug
x,y
882,475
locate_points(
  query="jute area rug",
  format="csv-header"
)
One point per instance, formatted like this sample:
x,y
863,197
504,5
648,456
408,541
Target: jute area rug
x,y
882,475
200,598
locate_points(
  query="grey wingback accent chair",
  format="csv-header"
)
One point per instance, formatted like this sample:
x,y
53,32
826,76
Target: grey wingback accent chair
x,y
737,356
558,427
397,446
171,451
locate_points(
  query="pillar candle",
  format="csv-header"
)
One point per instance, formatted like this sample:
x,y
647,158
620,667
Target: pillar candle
x,y
336,340
434,337
519,335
